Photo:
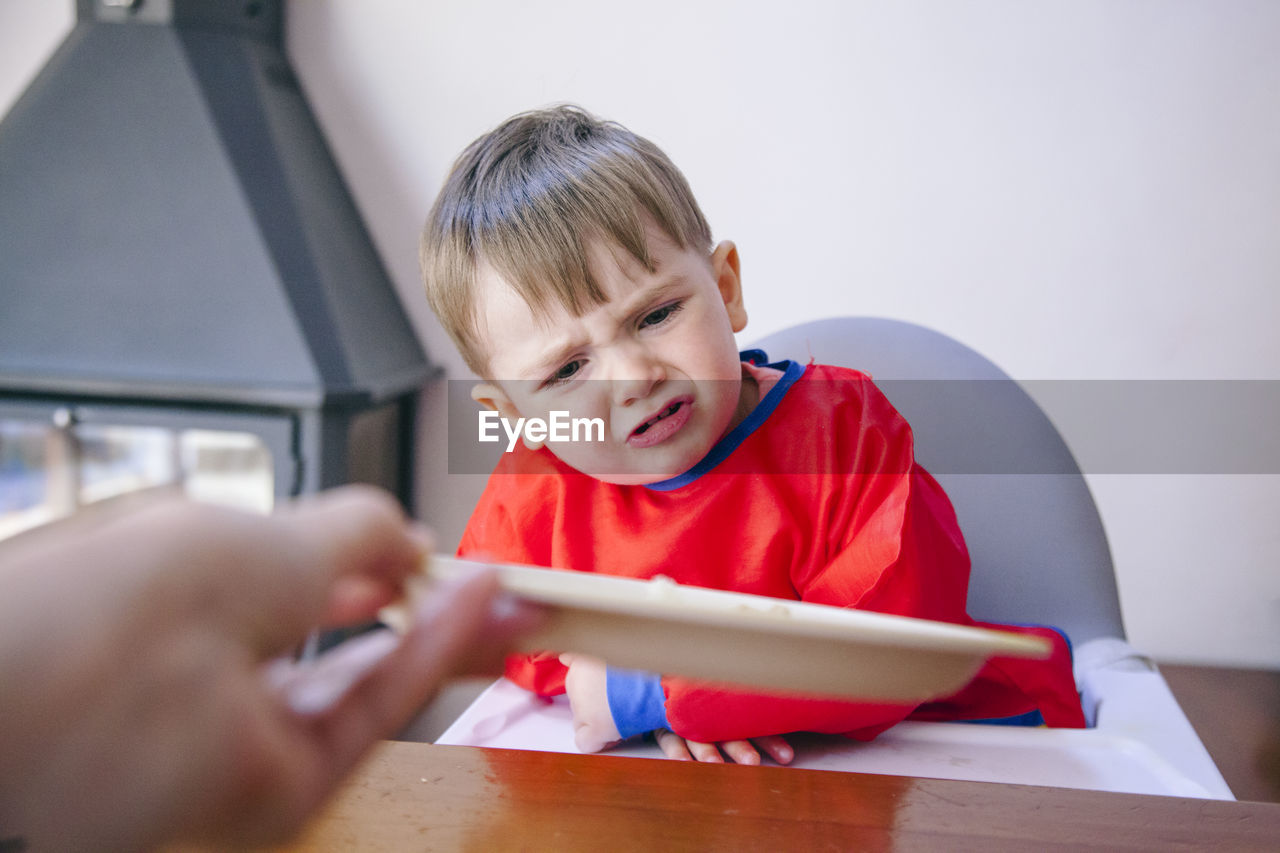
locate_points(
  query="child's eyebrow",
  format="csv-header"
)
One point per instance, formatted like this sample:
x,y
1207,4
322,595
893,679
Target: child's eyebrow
x,y
647,297
639,301
554,360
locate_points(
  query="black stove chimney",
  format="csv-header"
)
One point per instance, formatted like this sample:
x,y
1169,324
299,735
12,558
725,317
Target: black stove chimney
x,y
174,233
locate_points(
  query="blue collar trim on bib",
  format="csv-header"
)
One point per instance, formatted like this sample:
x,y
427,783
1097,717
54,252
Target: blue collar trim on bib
x,y
791,371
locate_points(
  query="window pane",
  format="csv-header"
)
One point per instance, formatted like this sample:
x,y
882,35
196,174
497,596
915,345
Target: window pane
x,y
232,468
115,460
46,471
24,487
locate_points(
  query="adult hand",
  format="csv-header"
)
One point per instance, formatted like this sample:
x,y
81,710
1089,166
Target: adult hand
x,y
142,703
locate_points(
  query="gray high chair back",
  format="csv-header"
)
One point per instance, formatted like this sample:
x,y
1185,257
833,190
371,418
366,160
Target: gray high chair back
x,y
1037,545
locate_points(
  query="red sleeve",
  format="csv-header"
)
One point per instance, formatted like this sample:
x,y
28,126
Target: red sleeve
x,y
906,558
504,528
902,553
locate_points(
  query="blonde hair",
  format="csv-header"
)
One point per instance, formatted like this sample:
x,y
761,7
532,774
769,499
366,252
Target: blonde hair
x,y
527,198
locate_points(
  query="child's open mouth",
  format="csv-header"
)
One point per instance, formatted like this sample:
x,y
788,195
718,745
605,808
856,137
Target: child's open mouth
x,y
663,425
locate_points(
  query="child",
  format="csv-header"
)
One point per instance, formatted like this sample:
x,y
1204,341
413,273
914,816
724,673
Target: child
x,y
570,263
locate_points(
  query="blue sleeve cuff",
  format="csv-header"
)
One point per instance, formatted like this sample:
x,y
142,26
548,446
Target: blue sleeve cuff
x,y
636,701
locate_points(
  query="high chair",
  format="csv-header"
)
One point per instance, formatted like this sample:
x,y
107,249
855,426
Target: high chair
x,y
1039,555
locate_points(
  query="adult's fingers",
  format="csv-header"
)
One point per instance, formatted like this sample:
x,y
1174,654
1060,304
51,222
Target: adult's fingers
x,y
264,580
356,530
313,686
334,558
336,707
456,625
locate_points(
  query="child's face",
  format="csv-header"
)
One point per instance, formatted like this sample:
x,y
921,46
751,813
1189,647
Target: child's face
x,y
657,362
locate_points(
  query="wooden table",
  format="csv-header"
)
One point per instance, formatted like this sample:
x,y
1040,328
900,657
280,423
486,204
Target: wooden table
x,y
412,796
1236,713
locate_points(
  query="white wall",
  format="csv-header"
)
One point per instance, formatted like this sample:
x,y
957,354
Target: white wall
x,y
1077,188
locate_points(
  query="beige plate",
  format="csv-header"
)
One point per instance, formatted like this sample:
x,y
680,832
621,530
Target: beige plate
x,y
752,640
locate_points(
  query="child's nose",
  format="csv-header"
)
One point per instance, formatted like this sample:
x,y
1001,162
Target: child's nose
x,y
636,373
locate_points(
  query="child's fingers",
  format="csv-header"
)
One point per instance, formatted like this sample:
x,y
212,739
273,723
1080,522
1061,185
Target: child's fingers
x,y
570,658
776,747
672,745
740,752
588,740
708,753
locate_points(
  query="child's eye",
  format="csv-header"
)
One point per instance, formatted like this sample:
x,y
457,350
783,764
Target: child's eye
x,y
661,315
565,373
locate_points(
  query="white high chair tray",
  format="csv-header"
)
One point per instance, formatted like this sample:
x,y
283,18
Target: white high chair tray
x,y
766,643
508,717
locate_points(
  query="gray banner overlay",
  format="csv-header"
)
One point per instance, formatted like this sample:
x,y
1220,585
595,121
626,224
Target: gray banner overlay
x,y
1007,427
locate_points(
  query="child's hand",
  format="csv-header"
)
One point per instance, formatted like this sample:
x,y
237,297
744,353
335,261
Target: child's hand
x,y
595,731
593,727
738,751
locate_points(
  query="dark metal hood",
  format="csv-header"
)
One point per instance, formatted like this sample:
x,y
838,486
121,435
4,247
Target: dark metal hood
x,y
173,226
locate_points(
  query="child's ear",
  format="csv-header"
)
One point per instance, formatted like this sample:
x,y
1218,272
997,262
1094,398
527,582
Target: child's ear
x,y
491,396
725,267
